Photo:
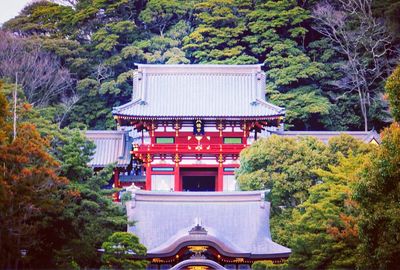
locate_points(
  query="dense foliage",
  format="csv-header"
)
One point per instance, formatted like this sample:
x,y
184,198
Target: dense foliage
x,y
283,165
378,194
311,193
324,83
393,91
348,217
54,212
31,191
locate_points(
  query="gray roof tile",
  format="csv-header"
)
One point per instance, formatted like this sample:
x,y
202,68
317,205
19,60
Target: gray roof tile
x,y
111,147
324,136
208,91
237,221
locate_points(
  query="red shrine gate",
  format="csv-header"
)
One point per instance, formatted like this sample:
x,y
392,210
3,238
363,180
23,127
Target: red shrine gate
x,y
192,121
187,161
197,162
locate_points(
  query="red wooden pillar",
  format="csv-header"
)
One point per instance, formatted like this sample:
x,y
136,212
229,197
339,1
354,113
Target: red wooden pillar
x,y
117,184
177,179
148,176
220,176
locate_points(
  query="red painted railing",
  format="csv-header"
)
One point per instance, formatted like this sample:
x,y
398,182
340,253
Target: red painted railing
x,y
189,148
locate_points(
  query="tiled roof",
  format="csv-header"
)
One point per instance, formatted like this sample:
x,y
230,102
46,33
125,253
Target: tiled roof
x,y
206,91
236,222
324,136
111,147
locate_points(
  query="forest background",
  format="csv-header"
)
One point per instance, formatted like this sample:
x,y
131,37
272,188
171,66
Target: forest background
x,y
326,62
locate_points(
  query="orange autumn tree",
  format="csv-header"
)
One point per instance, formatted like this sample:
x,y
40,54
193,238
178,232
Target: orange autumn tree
x,y
30,190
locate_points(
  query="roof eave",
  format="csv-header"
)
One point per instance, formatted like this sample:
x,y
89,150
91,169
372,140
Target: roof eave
x,y
140,65
192,117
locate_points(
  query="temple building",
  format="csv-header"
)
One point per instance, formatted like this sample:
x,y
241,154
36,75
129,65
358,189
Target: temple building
x,y
192,121
177,148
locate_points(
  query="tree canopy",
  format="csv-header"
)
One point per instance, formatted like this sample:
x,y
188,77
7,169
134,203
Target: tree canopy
x,y
94,44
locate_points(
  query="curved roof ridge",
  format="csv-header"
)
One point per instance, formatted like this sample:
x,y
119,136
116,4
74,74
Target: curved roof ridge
x,y
184,237
126,105
270,105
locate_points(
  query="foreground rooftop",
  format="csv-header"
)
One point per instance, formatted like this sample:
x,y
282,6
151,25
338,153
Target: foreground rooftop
x,y
235,223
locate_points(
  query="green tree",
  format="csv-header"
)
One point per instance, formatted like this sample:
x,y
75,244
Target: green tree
x,y
389,10
294,170
218,36
42,18
393,91
324,229
161,14
119,251
305,105
277,37
283,165
268,265
84,214
378,194
90,216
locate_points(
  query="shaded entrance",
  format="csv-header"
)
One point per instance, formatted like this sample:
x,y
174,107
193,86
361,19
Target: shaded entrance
x,y
198,179
198,183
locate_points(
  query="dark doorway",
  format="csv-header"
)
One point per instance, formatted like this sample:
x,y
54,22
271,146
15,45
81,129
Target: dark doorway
x,y
198,183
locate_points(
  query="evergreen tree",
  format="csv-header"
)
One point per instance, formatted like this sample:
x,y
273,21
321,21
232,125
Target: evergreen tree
x,y
119,249
218,36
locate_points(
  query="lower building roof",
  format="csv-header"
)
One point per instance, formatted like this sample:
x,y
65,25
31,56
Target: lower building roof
x,y
112,147
324,136
235,223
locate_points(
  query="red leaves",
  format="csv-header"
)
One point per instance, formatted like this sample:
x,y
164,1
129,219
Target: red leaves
x,y
30,190
348,228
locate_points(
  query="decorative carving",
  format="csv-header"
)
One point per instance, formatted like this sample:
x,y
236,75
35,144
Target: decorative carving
x,y
177,159
244,128
198,228
199,146
198,267
198,249
177,127
198,128
150,126
221,126
220,159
